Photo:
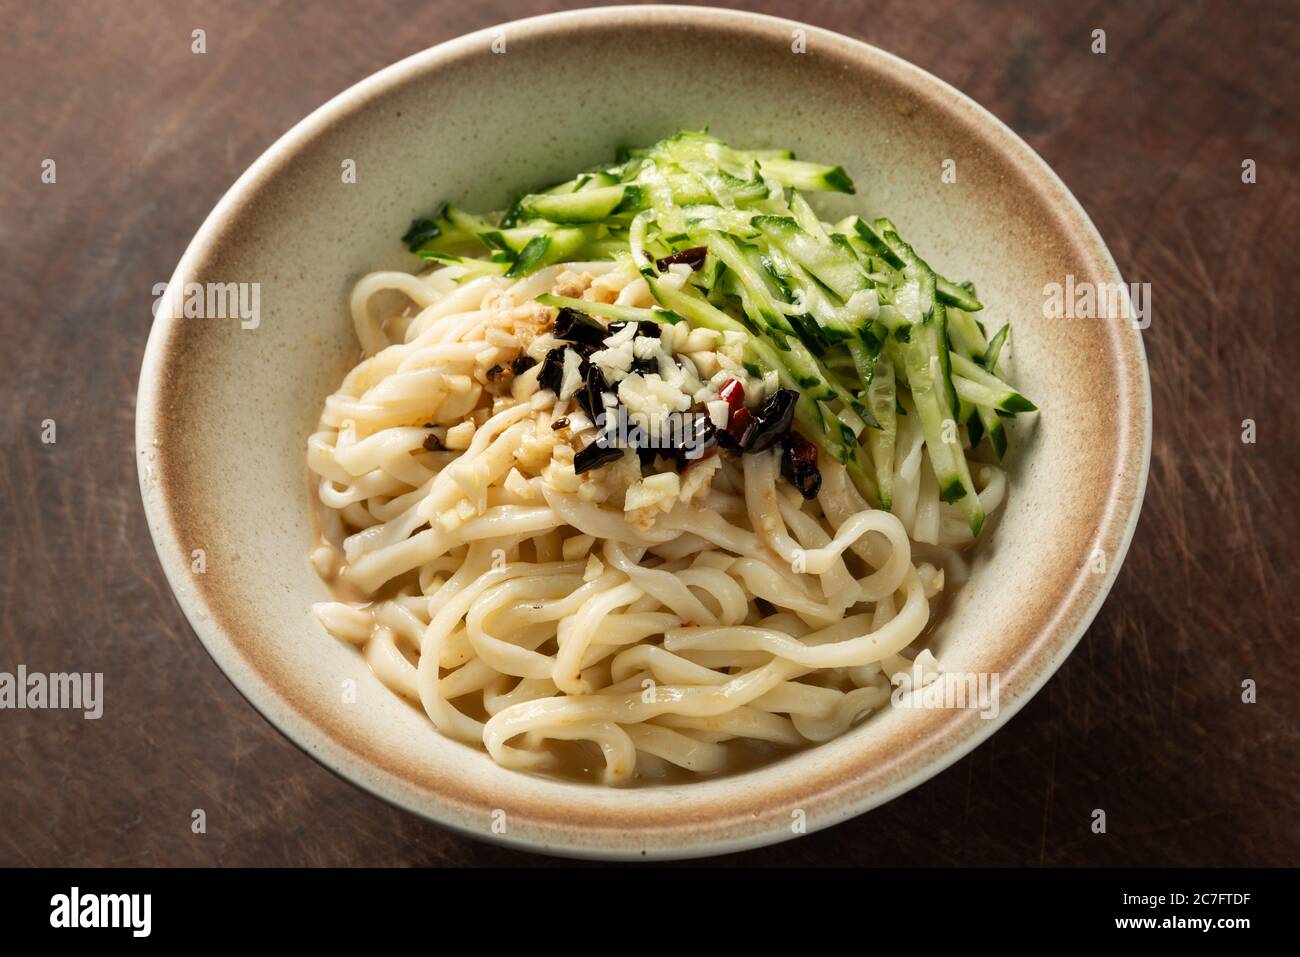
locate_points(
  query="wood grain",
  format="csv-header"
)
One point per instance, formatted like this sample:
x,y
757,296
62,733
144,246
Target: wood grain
x,y
1144,721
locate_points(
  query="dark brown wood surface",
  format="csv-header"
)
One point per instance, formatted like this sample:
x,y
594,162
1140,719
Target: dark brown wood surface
x,y
1145,721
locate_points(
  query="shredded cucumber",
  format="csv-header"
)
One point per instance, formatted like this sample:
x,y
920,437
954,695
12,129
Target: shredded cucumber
x,y
846,314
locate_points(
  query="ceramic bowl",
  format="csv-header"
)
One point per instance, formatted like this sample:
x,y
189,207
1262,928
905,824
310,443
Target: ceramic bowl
x,y
225,406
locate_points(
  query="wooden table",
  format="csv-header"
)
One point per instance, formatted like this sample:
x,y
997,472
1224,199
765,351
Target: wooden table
x,y
1144,721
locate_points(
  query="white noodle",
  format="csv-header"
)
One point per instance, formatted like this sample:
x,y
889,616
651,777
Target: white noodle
x,y
660,641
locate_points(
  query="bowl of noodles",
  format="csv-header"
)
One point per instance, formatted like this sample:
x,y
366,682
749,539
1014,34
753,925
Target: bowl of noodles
x,y
643,471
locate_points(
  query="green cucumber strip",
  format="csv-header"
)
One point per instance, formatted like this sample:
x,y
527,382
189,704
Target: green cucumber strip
x,y
898,309
687,190
729,190
512,214
699,179
549,248
584,206
954,295
996,431
978,394
755,294
838,360
601,249
806,365
864,361
808,412
812,334
752,155
695,216
530,257
803,368
1002,396
912,301
930,405
944,355
439,234
831,264
710,274
817,380
467,223
598,180
568,240
473,267
988,419
845,378
422,231
975,429
876,243
917,274
967,338
511,240
835,321
798,174
882,400
990,359
559,189
929,382
806,218
696,310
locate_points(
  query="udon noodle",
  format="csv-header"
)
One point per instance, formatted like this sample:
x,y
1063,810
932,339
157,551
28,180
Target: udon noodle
x,y
523,608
